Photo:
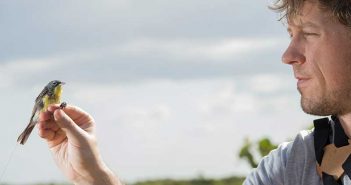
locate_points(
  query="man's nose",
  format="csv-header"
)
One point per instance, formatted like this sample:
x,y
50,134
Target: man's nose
x,y
294,54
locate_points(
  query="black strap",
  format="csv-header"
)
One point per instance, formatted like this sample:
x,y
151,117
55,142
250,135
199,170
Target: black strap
x,y
322,132
321,137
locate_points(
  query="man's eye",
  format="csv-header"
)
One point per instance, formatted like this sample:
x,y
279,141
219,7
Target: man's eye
x,y
310,34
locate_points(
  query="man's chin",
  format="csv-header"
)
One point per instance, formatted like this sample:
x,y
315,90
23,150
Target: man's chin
x,y
315,108
314,113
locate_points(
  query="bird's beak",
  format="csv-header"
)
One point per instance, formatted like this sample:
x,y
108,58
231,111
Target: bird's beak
x,y
63,83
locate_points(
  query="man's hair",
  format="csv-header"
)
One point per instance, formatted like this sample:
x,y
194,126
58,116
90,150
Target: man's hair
x,y
340,9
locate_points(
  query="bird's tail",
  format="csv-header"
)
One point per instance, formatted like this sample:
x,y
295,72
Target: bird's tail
x,y
25,134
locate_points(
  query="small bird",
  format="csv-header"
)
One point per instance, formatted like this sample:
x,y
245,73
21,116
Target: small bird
x,y
51,94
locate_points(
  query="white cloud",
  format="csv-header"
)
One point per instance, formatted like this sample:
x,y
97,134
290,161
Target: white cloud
x,y
228,101
250,95
232,48
12,71
28,65
146,58
184,50
145,118
269,83
223,49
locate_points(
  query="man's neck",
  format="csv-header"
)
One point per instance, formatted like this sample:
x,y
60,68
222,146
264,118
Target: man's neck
x,y
345,121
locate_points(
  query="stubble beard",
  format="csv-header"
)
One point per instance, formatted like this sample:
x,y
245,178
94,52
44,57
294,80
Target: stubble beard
x,y
332,103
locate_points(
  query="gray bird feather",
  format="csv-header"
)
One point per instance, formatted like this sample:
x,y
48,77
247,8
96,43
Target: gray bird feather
x,y
38,106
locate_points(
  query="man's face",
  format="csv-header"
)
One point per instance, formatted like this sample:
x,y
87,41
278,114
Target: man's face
x,y
320,54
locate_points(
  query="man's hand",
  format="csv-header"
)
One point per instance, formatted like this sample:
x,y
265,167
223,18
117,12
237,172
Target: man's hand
x,y
70,134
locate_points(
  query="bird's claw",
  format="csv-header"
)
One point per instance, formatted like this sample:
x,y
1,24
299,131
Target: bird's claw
x,y
63,105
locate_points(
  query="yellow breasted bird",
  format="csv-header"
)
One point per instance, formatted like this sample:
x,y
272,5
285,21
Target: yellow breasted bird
x,y
51,94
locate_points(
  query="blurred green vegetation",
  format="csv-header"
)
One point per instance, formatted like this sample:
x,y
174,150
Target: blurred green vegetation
x,y
52,184
260,148
197,181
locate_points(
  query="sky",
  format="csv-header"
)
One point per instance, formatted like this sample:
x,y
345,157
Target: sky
x,y
174,86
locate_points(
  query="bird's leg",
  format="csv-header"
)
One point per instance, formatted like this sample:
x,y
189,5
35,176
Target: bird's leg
x,y
63,105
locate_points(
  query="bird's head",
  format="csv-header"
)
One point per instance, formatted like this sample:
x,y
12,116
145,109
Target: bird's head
x,y
55,86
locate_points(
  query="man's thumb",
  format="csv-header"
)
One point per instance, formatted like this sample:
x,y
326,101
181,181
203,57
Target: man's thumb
x,y
72,130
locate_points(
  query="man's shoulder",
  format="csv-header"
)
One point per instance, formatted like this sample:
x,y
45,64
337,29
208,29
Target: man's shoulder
x,y
290,160
303,140
301,160
301,146
300,155
305,135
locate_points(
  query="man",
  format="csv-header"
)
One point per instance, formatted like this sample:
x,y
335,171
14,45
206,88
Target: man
x,y
320,55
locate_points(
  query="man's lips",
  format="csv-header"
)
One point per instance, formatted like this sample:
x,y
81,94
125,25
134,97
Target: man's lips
x,y
301,81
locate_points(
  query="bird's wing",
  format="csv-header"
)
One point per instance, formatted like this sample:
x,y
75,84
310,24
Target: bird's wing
x,y
42,94
28,130
34,117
